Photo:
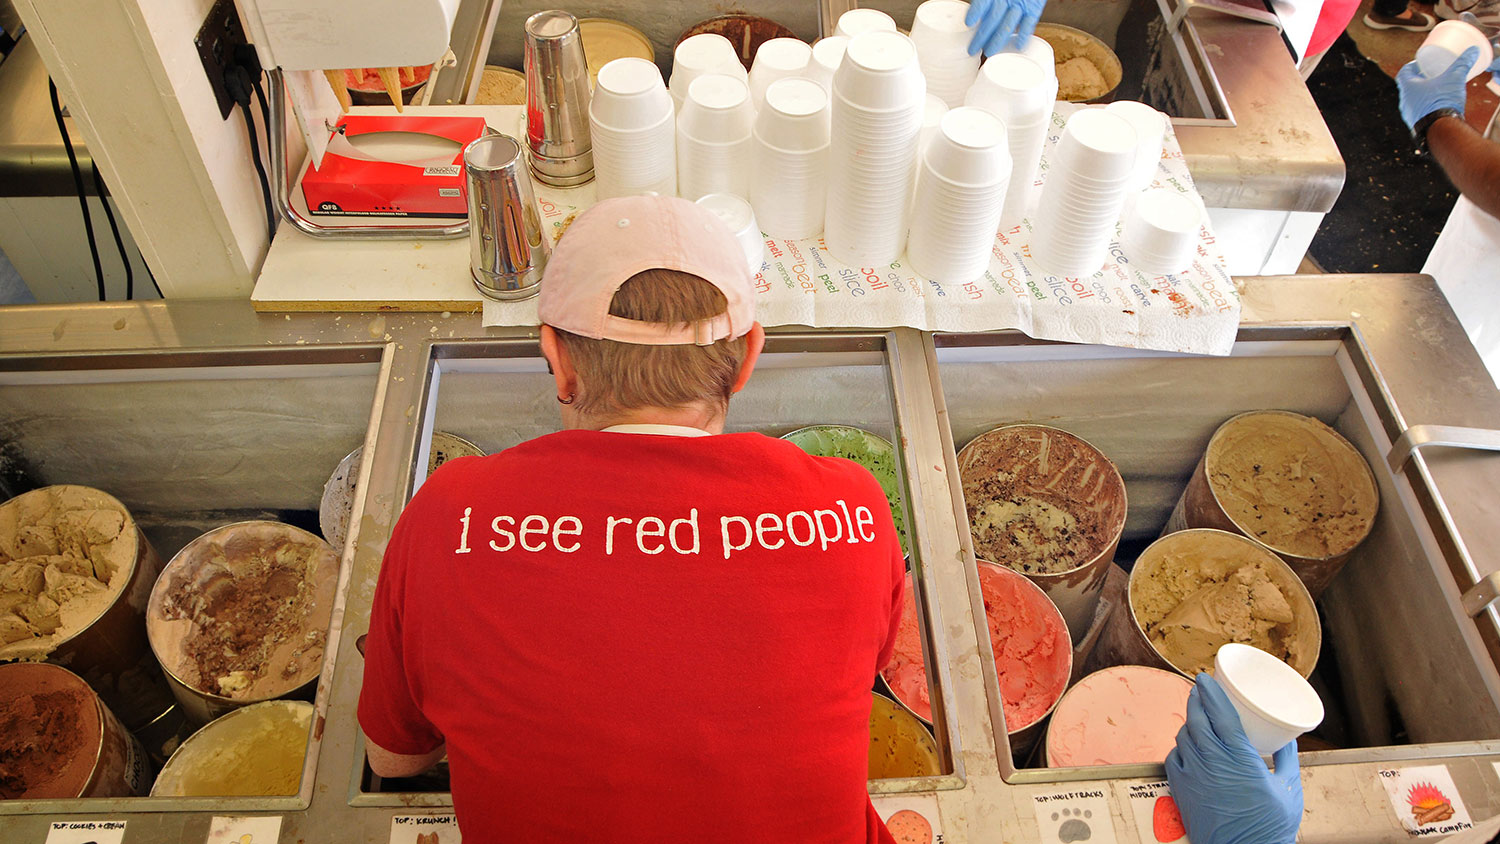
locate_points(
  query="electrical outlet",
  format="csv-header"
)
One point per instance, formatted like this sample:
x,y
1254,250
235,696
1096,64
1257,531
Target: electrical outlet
x,y
220,34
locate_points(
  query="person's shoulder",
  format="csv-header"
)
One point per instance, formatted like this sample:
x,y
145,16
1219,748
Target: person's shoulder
x,y
790,457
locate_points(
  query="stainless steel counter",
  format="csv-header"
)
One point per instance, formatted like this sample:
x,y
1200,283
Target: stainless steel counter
x,y
1386,353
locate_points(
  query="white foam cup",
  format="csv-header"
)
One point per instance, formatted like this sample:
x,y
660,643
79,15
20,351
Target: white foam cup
x,y
1150,128
779,58
795,116
700,55
1015,88
1097,145
942,41
970,148
859,21
736,213
1275,703
1161,231
717,110
827,55
1038,50
1446,42
630,95
880,72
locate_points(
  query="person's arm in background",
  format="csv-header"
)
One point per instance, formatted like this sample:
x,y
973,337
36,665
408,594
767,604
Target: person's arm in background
x,y
1223,789
998,24
1434,106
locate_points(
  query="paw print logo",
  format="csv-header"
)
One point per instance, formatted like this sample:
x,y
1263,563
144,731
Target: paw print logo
x,y
1074,825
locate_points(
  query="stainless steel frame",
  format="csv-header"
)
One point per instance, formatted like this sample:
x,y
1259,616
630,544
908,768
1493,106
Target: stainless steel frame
x,y
1392,337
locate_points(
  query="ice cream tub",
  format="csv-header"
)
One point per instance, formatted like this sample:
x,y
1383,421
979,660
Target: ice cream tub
x,y
1124,715
75,576
1289,482
256,750
241,616
1194,591
1049,505
58,739
336,507
1029,639
873,452
900,746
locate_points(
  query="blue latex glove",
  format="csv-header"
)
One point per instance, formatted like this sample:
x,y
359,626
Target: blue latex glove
x,y
1221,786
1421,96
997,22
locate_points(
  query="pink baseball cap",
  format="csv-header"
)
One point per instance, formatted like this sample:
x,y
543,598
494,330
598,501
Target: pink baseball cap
x,y
620,237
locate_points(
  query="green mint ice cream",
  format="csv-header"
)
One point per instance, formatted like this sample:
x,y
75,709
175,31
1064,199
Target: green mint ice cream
x,y
863,448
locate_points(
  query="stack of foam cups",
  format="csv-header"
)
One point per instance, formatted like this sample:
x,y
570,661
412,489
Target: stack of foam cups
x,y
700,55
942,41
965,169
713,138
790,160
933,109
1161,231
827,55
1088,176
1039,51
1021,92
779,58
632,124
877,104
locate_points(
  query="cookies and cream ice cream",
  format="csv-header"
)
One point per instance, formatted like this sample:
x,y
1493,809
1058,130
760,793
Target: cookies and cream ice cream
x,y
1292,483
66,553
242,612
1194,591
1040,500
1118,716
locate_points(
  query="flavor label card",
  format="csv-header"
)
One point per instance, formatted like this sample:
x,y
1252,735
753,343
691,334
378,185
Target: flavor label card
x,y
911,818
1425,800
1066,817
261,830
86,832
424,829
1157,820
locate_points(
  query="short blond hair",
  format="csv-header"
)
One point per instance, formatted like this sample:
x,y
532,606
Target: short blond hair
x,y
628,376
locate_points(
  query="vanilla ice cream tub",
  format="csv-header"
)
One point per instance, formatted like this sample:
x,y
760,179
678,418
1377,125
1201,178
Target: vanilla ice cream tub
x,y
1290,483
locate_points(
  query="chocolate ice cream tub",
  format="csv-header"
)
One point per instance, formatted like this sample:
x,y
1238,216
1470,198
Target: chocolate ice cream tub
x,y
58,740
1049,505
1194,591
75,577
1289,482
257,750
241,616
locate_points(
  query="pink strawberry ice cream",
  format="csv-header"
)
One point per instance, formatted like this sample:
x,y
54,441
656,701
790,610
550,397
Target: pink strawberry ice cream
x,y
1033,655
1119,716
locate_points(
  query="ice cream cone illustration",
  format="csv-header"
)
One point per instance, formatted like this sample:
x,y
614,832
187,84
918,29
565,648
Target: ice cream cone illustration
x,y
1428,804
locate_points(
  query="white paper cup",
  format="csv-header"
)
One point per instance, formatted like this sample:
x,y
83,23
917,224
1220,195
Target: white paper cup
x,y
736,213
779,58
629,94
880,72
1446,42
1150,128
859,21
827,55
1275,704
701,55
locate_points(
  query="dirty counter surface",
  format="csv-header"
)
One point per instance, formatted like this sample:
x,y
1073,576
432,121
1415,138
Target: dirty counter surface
x,y
1374,355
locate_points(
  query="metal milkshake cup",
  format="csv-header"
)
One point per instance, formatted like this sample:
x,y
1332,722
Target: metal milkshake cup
x,y
507,247
557,100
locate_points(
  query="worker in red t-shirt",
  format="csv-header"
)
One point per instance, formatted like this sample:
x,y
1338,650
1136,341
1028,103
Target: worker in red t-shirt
x,y
640,628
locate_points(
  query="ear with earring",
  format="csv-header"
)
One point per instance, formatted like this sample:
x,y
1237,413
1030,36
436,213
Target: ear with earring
x,y
568,400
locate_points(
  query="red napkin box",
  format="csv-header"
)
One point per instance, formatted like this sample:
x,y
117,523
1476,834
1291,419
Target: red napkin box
x,y
354,181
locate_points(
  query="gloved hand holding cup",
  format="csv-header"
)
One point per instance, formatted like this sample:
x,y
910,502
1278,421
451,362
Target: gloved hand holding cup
x,y
1421,94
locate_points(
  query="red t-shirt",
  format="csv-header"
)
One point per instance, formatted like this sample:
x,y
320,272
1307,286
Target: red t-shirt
x,y
640,638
